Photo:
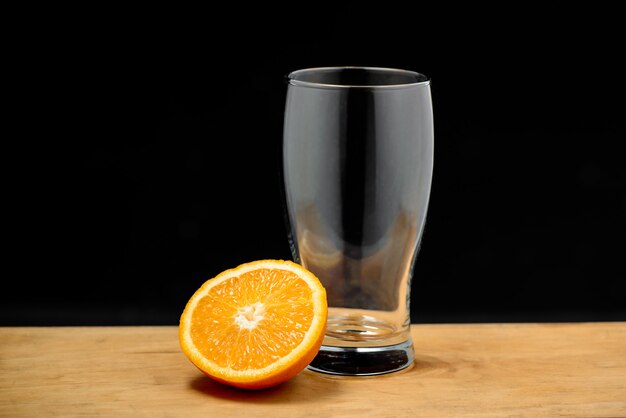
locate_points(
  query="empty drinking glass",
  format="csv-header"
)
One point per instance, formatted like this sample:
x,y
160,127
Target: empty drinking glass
x,y
357,170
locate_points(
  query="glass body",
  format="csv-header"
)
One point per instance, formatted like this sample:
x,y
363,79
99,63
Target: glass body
x,y
357,170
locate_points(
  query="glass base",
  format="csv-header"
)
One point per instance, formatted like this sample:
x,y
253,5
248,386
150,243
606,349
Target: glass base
x,y
363,361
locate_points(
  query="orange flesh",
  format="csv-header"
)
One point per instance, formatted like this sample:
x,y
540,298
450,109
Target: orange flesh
x,y
250,321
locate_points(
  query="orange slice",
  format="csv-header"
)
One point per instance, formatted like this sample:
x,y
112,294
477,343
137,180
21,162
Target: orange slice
x,y
256,325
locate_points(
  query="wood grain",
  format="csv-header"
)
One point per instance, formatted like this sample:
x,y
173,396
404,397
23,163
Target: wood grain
x,y
488,370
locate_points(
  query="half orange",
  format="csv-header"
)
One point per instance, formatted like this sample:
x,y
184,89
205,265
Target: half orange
x,y
256,325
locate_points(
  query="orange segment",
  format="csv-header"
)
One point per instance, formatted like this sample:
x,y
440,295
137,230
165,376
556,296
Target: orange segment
x,y
256,325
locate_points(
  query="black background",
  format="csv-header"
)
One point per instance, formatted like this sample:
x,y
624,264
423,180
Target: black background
x,y
143,157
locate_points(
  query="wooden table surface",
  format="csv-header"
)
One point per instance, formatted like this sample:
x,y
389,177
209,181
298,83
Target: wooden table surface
x,y
487,370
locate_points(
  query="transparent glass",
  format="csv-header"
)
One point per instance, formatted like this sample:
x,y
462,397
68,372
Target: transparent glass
x,y
357,170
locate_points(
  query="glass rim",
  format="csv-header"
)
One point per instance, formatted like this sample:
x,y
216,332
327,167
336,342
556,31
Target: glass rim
x,y
425,80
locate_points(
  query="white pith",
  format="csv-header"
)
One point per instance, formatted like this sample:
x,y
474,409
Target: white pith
x,y
249,316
